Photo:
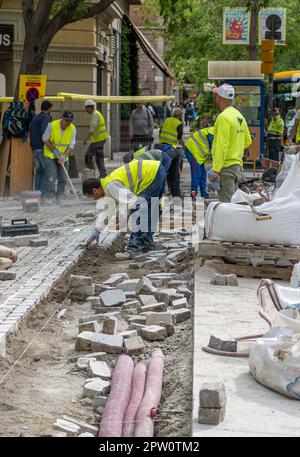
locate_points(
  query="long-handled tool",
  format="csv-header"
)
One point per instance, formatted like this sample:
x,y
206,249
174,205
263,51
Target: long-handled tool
x,y
69,180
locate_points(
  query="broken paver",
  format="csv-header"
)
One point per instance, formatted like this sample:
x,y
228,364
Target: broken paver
x,y
138,319
181,303
110,326
94,301
100,401
170,328
155,318
116,279
84,426
95,386
185,291
137,327
38,243
7,275
181,315
212,395
211,416
175,297
97,369
112,297
147,287
82,292
154,333
134,346
66,426
218,280
147,300
232,280
92,326
128,334
77,281
178,255
158,307
94,317
132,304
89,341
227,345
164,295
131,285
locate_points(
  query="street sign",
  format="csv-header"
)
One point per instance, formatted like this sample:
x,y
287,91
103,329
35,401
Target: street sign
x,y
32,87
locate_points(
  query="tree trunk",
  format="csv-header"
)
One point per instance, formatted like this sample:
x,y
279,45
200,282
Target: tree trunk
x,y
253,30
34,52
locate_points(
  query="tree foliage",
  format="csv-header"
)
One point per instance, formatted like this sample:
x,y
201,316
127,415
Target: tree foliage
x,y
194,30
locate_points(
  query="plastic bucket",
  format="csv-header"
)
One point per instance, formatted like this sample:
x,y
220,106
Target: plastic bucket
x,y
31,200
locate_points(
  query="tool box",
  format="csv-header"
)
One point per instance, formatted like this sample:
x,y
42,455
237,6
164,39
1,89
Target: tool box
x,y
19,227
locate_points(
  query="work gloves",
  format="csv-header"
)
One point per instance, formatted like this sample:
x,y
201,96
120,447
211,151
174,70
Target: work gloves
x,y
94,237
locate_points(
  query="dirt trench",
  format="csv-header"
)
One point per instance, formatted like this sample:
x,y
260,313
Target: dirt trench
x,y
45,383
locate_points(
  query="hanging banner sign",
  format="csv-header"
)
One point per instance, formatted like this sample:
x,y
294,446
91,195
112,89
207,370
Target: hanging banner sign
x,y
236,26
32,87
272,25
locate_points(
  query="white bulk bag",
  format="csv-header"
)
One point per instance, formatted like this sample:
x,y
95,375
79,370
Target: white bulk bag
x,y
237,223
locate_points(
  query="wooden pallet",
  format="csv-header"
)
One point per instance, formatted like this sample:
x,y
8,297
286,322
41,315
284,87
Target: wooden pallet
x,y
248,271
210,249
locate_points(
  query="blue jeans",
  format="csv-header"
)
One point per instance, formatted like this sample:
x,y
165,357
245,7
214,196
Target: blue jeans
x,y
198,173
166,161
39,164
54,172
143,241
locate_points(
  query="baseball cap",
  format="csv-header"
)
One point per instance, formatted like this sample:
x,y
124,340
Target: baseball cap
x,y
89,103
68,115
224,91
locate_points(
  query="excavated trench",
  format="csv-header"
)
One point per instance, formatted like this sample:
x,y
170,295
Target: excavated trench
x,y
41,385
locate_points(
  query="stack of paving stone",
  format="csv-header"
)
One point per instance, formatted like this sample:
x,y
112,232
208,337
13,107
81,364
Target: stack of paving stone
x,y
128,312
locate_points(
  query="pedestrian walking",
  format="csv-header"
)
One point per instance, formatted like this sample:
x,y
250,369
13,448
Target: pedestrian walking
x,y
140,127
171,133
59,141
37,129
231,138
139,178
198,153
97,137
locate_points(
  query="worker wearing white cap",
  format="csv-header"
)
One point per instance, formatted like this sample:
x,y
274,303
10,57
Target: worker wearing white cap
x,y
231,138
97,136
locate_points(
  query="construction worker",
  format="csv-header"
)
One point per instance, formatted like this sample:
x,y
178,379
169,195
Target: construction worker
x,y
139,178
275,138
171,133
198,152
296,128
59,141
147,153
97,136
231,138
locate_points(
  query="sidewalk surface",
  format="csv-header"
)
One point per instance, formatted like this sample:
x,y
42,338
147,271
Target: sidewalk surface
x,y
252,410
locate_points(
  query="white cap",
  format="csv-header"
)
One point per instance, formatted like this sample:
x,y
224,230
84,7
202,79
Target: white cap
x,y
89,103
225,91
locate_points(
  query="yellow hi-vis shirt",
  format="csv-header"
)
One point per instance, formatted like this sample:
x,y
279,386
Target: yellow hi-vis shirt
x,y
276,126
231,138
60,139
136,175
169,132
100,134
298,127
198,145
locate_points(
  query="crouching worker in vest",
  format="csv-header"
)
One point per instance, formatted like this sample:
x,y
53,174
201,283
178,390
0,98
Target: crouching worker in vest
x,y
139,178
149,154
7,258
198,152
59,140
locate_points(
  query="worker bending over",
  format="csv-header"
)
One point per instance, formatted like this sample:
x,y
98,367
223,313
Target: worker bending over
x,y
139,178
147,153
198,152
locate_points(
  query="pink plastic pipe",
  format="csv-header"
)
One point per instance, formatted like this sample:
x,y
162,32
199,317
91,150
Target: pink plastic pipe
x,y
137,393
114,412
149,405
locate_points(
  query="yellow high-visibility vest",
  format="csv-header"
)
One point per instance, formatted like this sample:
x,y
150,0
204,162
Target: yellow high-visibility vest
x,y
169,133
59,141
298,128
276,127
100,134
198,145
136,175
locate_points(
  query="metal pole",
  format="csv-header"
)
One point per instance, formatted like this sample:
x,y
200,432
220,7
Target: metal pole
x,y
270,96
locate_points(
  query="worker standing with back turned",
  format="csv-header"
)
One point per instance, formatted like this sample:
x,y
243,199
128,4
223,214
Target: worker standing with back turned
x,y
231,138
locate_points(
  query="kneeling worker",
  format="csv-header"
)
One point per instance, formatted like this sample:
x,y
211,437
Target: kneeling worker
x,y
139,178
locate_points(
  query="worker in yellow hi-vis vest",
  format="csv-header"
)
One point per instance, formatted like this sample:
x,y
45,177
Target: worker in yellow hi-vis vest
x,y
97,136
59,141
138,178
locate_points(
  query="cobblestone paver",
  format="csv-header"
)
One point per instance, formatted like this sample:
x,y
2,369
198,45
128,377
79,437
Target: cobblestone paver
x,y
38,269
